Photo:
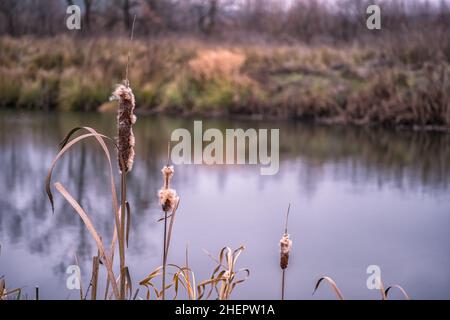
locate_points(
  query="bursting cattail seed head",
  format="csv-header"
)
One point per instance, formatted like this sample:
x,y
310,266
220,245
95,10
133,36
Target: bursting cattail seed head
x,y
125,121
285,248
168,197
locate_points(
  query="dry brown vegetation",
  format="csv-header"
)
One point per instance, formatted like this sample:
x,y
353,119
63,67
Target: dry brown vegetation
x,y
392,85
307,60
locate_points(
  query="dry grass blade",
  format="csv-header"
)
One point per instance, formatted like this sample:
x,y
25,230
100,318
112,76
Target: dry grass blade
x,y
224,275
89,225
333,285
179,278
382,291
136,294
186,278
129,283
403,291
147,282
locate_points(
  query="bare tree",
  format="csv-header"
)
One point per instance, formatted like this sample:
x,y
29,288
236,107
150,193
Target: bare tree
x,y
87,13
207,16
9,9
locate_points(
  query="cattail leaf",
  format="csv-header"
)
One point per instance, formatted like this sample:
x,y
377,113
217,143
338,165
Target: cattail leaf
x,y
154,290
152,275
403,291
129,282
163,218
89,225
65,146
63,143
175,281
2,287
333,285
128,221
136,294
237,252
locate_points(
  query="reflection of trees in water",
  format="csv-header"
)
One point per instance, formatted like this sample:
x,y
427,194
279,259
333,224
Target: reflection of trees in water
x,y
407,159
29,142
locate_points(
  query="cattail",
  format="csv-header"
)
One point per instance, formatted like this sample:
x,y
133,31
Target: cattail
x,y
125,121
168,197
285,247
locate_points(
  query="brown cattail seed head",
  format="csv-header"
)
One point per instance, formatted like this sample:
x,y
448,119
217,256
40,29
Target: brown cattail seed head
x,y
167,197
125,121
285,247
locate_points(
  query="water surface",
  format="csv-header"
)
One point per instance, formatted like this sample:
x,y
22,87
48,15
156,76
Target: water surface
x,y
359,197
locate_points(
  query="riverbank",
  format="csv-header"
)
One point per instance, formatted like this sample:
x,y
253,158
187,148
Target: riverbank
x,y
394,85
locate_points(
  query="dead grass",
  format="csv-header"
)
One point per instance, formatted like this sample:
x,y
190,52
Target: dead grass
x,y
392,86
224,278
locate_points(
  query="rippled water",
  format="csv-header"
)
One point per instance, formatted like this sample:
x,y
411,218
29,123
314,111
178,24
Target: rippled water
x,y
359,197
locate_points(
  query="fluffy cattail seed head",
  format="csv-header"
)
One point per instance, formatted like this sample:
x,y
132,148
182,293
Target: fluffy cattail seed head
x,y
168,197
285,248
167,172
125,121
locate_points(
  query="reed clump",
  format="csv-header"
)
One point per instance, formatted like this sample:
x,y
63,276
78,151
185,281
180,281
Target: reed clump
x,y
223,280
6,293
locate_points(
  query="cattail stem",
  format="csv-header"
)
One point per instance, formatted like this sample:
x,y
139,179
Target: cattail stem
x,y
123,189
164,257
285,244
287,219
94,278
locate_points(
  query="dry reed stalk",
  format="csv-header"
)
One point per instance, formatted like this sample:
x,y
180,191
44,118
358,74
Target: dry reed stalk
x,y
2,288
125,145
94,278
180,275
168,200
285,248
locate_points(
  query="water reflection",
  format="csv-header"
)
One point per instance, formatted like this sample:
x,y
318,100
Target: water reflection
x,y
345,181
